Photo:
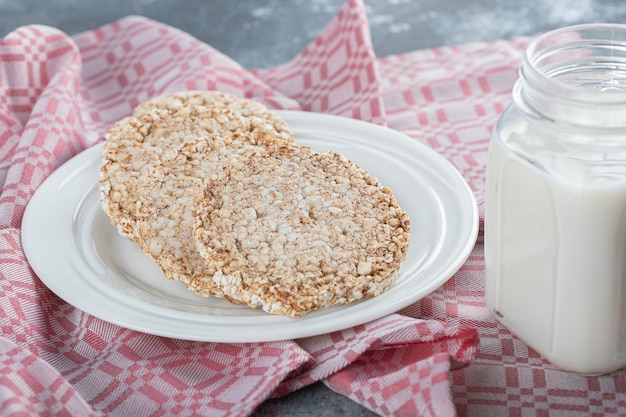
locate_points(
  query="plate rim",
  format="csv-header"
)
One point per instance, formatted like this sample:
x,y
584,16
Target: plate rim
x,y
64,173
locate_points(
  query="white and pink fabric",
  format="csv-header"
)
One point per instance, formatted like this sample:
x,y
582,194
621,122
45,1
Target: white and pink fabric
x,y
442,356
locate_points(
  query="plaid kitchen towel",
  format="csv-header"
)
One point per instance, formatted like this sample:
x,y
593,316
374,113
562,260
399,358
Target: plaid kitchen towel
x,y
58,96
443,355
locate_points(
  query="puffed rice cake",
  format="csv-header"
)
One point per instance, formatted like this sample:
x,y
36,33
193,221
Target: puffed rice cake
x,y
128,146
292,230
261,119
149,185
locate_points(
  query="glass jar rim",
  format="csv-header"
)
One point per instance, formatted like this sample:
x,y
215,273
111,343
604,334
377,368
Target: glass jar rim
x,y
576,75
566,37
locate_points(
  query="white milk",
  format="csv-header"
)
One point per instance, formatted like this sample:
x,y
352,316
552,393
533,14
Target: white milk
x,y
555,249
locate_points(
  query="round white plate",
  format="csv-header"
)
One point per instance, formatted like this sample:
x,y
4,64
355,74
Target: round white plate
x,y
79,255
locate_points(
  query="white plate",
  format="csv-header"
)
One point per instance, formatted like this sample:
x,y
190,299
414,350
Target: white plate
x,y
79,255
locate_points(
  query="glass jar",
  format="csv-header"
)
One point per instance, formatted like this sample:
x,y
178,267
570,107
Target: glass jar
x,y
555,213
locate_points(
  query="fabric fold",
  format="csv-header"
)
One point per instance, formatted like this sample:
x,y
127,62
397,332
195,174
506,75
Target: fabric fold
x,y
30,386
39,112
382,346
337,73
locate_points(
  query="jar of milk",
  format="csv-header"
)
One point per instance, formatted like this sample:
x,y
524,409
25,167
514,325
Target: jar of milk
x,y
555,215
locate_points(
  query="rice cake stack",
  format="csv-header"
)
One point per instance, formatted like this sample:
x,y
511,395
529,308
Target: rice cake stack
x,y
215,190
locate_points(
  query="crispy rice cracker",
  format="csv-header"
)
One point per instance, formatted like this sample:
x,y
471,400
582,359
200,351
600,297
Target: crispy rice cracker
x,y
292,230
261,119
130,146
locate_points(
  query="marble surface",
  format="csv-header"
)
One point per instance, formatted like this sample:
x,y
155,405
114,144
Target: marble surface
x,y
265,33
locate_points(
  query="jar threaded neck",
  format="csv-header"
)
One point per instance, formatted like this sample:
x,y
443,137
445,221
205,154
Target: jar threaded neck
x,y
576,75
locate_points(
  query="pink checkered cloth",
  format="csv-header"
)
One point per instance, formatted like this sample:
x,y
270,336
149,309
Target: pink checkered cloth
x,y
59,94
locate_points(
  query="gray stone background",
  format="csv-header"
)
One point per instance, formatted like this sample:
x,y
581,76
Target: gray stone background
x,y
265,33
